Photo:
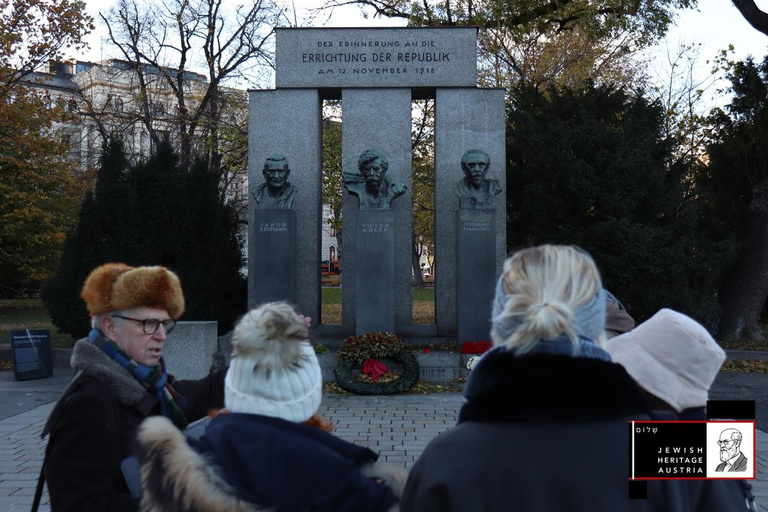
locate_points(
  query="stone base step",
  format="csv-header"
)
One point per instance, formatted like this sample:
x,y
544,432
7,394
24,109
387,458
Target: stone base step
x,y
437,366
334,342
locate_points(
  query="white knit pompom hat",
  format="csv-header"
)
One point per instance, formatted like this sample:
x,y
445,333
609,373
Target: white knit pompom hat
x,y
274,370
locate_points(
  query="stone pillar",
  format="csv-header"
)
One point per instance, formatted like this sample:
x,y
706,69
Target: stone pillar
x,y
288,122
378,119
475,273
273,239
375,271
464,119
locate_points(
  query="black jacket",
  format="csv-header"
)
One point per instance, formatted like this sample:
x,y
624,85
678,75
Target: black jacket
x,y
248,462
93,426
539,433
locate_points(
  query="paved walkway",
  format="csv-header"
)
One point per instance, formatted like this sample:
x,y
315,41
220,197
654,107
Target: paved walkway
x,y
398,427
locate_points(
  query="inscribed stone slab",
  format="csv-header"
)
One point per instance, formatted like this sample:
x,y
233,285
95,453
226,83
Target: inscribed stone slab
x,y
273,238
375,233
475,274
380,57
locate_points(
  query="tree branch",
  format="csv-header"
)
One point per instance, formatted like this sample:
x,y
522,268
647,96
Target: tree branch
x,y
749,10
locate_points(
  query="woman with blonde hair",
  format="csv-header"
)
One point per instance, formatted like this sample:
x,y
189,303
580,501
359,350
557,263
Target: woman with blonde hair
x,y
545,423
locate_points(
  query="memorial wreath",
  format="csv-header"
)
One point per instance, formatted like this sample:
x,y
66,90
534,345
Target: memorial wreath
x,y
364,351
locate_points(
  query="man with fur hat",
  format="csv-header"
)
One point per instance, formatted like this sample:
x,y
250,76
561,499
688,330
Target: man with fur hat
x,y
121,379
269,446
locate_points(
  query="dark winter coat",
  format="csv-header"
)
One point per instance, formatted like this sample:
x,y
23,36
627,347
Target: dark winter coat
x,y
539,433
93,426
247,462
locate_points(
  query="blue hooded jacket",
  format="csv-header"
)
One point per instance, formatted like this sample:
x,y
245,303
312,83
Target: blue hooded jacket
x,y
292,467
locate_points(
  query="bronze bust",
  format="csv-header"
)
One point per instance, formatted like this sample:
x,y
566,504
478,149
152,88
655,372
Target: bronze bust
x,y
371,185
474,191
276,192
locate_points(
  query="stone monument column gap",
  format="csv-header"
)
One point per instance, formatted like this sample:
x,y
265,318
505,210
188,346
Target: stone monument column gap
x,y
287,123
467,119
377,119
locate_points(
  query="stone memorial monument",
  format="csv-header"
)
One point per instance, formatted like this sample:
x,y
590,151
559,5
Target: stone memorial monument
x,y
274,235
475,246
375,244
377,73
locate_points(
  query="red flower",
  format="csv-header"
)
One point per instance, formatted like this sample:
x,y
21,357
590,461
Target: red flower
x,y
373,368
475,347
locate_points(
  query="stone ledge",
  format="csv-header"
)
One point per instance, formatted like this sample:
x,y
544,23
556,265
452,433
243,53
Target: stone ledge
x,y
335,333
435,366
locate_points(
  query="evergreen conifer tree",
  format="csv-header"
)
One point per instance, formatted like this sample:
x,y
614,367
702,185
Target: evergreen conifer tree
x,y
735,194
592,167
154,213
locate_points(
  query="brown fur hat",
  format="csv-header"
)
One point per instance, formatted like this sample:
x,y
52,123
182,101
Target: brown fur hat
x,y
117,287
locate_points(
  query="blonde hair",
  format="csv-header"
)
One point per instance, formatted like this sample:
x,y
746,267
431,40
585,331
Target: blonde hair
x,y
544,287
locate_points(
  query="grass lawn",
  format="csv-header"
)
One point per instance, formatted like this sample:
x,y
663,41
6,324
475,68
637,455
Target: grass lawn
x,y
17,314
331,296
423,305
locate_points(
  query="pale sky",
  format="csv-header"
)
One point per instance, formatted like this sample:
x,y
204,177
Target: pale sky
x,y
715,24
718,23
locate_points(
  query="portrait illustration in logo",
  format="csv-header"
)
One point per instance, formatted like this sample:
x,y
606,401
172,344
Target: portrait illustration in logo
x,y
731,458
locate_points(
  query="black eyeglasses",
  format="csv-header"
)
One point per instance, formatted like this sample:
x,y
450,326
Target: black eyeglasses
x,y
151,325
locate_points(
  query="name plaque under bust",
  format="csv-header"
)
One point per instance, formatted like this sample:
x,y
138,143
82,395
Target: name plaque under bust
x,y
272,270
378,57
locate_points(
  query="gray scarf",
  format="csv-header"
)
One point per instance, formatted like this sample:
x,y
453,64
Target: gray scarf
x,y
590,318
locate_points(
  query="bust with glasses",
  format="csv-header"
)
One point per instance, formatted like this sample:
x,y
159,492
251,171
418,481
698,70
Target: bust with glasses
x,y
121,379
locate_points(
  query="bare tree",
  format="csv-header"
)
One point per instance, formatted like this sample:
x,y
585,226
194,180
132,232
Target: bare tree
x,y
423,208
686,87
169,41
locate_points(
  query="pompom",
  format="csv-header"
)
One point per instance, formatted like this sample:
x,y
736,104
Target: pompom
x,y
272,335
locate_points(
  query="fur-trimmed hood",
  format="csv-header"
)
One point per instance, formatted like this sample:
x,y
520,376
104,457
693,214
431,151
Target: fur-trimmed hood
x,y
93,362
542,387
177,477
